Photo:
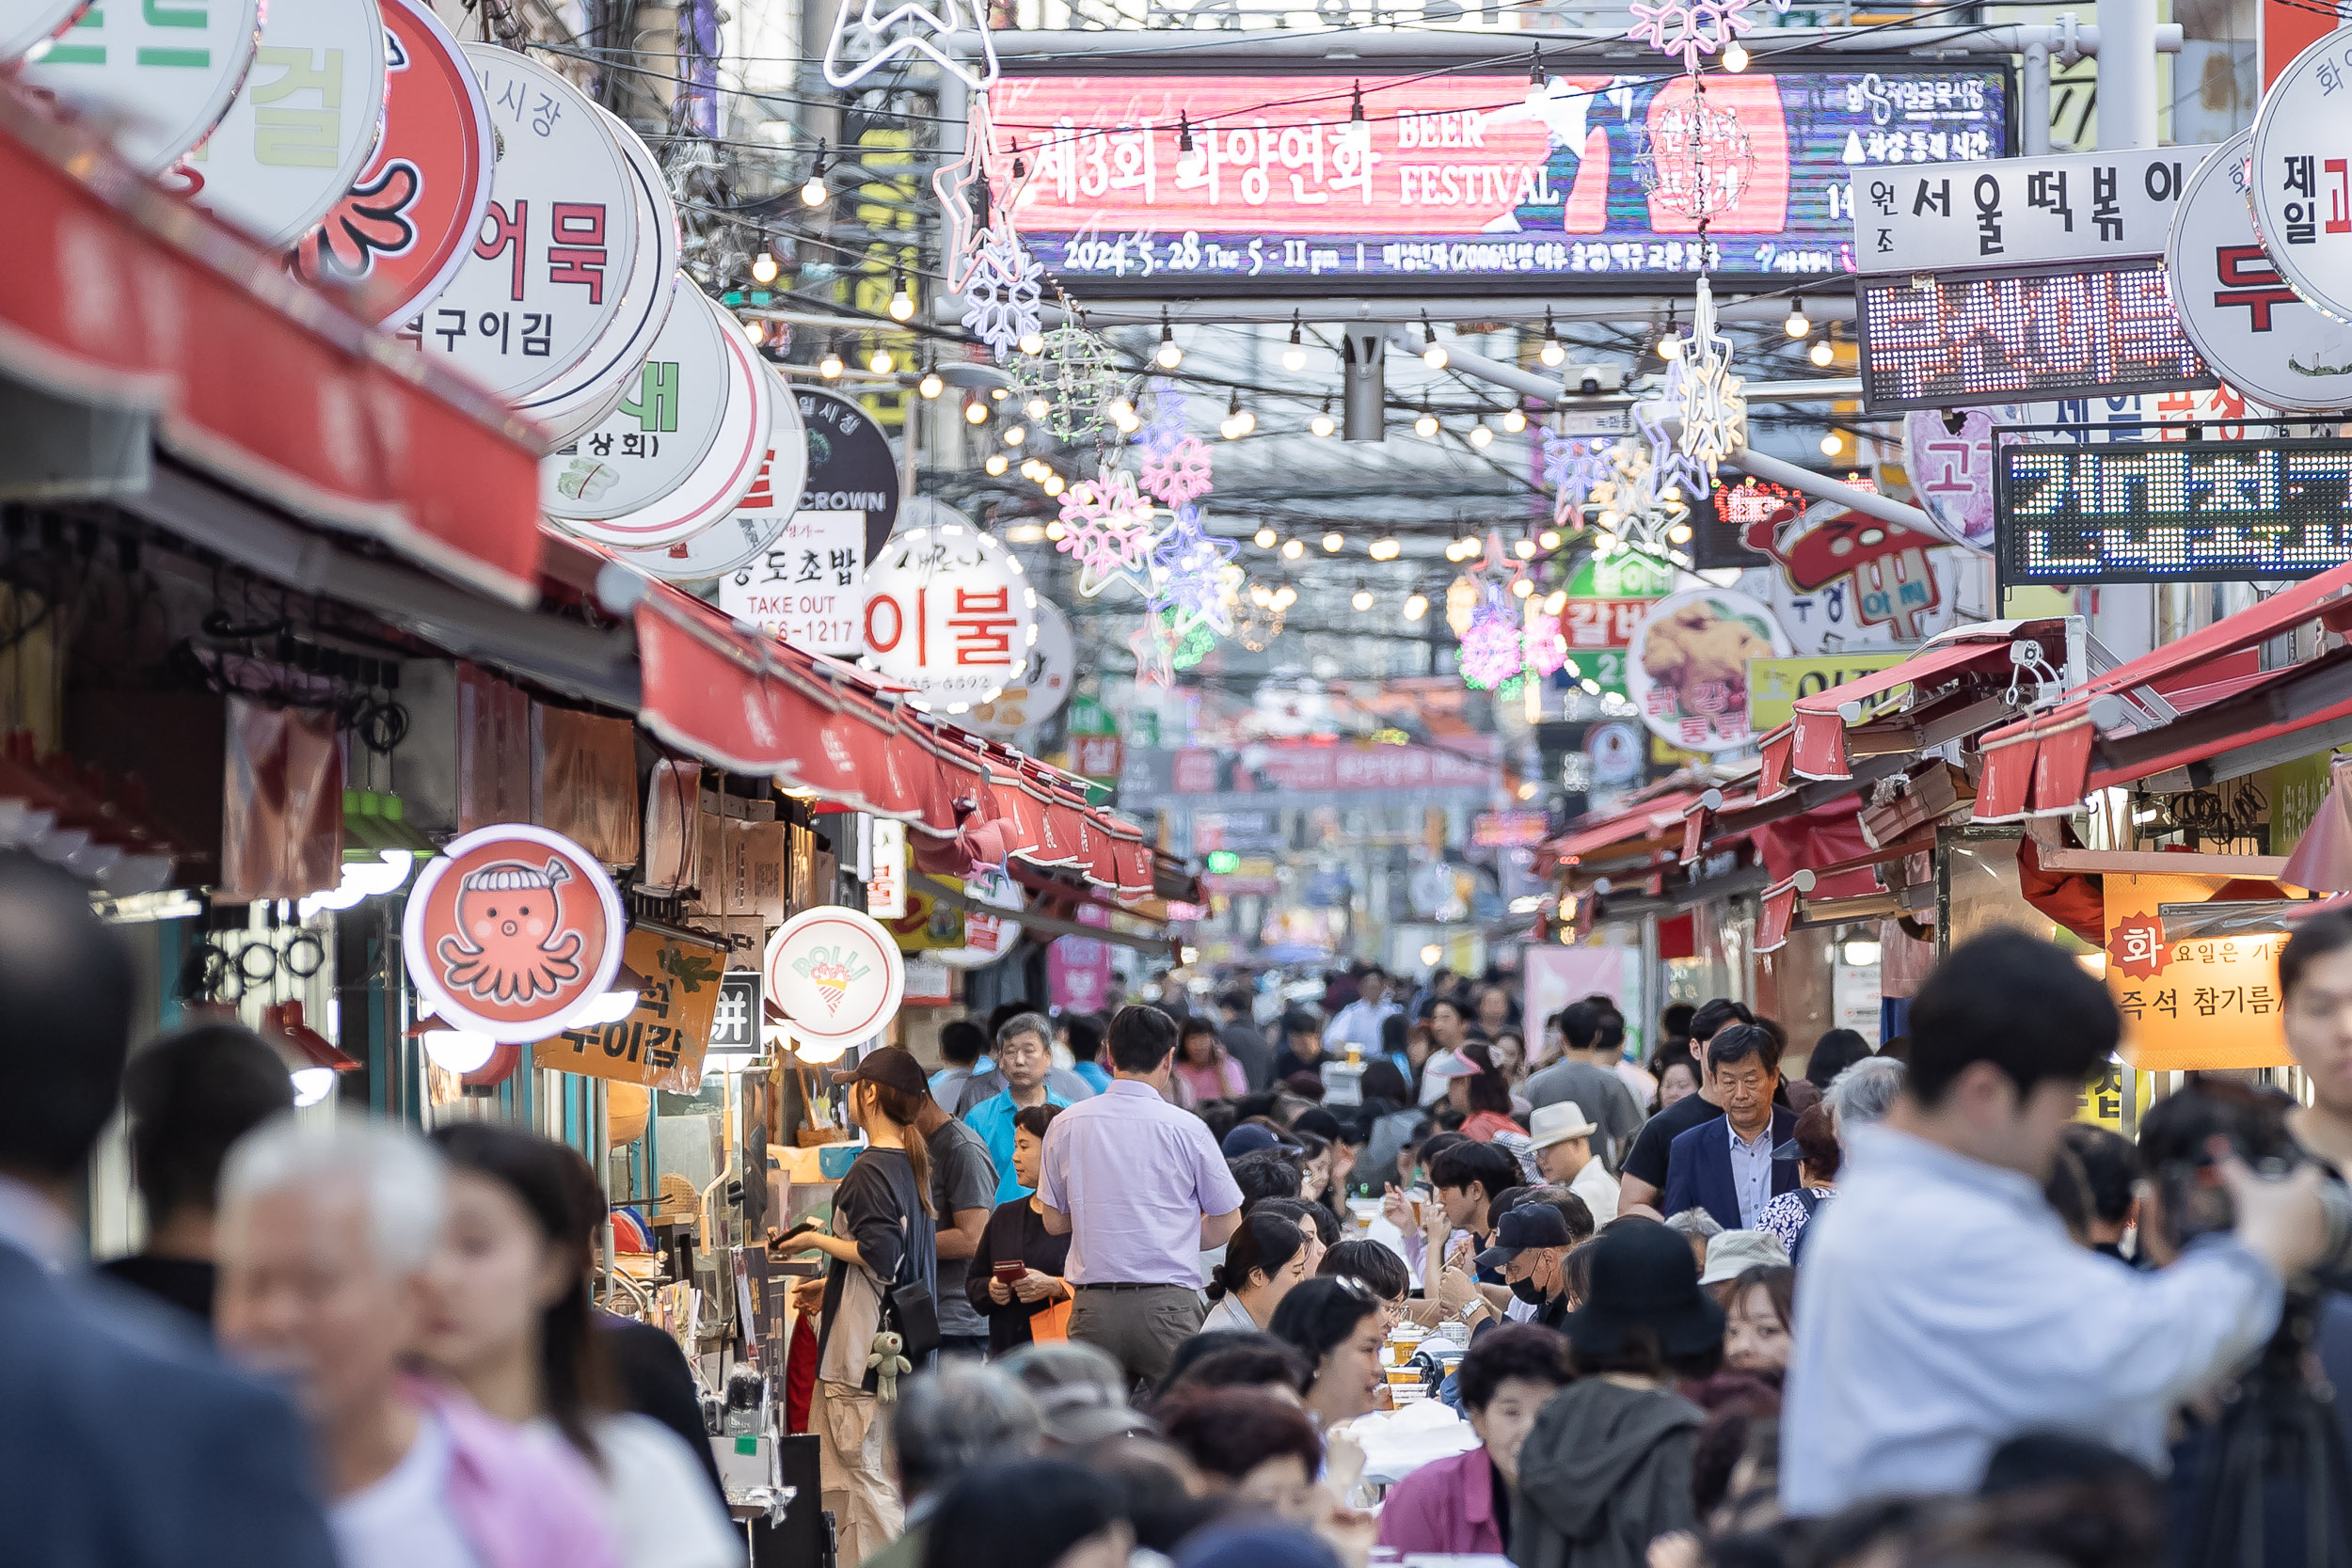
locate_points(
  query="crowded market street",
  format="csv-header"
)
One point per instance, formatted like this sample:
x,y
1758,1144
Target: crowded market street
x,y
1175,783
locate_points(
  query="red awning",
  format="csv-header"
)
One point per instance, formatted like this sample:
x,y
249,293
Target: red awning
x,y
1820,748
2043,765
1648,819
117,293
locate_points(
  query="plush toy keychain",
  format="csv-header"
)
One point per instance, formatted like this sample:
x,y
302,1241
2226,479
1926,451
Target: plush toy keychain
x,y
889,1363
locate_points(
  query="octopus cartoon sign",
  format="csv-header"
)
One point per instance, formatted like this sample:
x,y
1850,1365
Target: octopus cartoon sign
x,y
1688,669
836,973
511,932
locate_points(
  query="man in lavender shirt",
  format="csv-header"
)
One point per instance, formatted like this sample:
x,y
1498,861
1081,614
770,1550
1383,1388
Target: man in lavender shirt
x,y
1141,1190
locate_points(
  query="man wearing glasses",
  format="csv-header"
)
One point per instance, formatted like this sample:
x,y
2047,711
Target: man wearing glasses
x,y
1025,1055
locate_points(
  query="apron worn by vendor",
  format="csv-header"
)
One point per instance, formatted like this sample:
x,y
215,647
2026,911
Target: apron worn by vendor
x,y
878,1206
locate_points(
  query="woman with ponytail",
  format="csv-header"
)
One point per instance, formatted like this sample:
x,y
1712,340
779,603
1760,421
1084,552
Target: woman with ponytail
x,y
509,1321
882,1238
1262,1261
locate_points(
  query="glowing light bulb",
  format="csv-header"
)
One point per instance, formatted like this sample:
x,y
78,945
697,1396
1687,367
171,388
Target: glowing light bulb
x,y
1333,543
1054,530
1557,602
1523,588
1294,358
1320,423
1435,355
1362,599
1548,539
1054,485
763,268
1263,538
1169,354
881,363
756,331
1797,324
1015,435
1524,550
1821,353
1121,410
1293,550
1386,549
1426,425
1833,444
901,303
995,463
1669,346
1554,353
1480,436
1416,607
830,366
1032,343
1128,421
976,412
813,193
1513,420
1285,596
1037,408
1735,56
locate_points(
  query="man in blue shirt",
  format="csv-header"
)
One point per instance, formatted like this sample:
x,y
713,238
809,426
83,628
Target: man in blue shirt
x,y
1024,1053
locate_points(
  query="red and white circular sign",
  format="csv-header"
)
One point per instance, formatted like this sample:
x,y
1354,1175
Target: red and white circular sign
x,y
758,518
408,222
513,932
550,265
836,973
949,613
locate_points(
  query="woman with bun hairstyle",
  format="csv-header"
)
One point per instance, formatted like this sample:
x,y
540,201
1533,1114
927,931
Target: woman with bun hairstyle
x,y
1265,1258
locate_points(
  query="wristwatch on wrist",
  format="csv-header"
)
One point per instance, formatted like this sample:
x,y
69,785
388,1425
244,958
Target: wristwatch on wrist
x,y
1475,1305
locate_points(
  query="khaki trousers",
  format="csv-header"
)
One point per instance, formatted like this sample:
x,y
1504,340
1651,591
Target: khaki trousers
x,y
1141,1326
867,1514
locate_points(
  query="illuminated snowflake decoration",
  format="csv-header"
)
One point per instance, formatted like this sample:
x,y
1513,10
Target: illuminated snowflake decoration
x,y
1181,476
1003,294
1572,466
1190,571
1493,648
1702,389
1107,530
1165,431
1076,377
1695,161
1689,27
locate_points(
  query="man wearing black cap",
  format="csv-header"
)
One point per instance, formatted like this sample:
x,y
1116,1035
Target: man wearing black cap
x,y
1530,1245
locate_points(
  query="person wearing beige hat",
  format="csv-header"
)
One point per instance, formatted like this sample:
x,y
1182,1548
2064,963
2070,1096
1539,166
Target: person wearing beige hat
x,y
1562,1134
1733,1253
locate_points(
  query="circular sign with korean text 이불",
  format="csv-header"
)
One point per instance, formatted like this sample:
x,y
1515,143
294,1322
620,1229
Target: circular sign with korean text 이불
x,y
1687,671
2254,332
665,422
163,70
670,506
548,268
836,973
950,612
737,539
304,124
2300,186
511,932
587,393
408,222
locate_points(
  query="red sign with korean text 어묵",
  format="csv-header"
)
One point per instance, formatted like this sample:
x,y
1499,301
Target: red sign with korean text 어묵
x,y
511,933
403,229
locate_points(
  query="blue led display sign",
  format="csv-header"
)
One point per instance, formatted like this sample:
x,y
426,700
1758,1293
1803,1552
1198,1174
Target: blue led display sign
x,y
2172,510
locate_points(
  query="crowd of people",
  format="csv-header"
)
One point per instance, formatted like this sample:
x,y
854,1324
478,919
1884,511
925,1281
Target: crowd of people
x,y
1902,1311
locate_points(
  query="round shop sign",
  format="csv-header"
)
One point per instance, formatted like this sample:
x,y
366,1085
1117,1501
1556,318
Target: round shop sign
x,y
1952,471
408,222
585,395
728,465
303,125
1843,581
664,425
737,539
1041,687
851,468
836,973
1616,751
165,70
512,932
25,23
2301,184
986,937
2271,348
550,267
949,613
1688,669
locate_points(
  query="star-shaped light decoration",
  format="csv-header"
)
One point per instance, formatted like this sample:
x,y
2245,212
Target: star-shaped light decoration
x,y
1107,530
1002,295
1190,569
895,29
1153,643
1493,648
1713,410
952,183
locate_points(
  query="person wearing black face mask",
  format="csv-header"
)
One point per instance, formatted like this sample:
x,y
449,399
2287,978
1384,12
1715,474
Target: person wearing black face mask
x,y
1531,1243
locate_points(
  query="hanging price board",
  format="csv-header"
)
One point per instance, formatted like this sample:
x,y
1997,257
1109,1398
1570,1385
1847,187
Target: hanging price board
x,y
303,125
546,274
164,72
406,224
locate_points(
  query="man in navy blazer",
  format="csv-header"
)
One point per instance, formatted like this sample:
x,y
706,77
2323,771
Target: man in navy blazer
x,y
1725,1165
126,1442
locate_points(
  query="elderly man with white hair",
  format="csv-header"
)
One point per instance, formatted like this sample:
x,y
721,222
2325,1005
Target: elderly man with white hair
x,y
325,1229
